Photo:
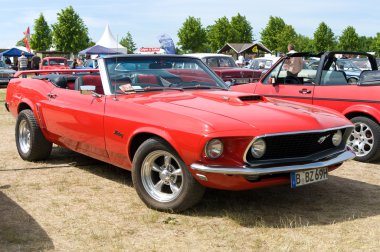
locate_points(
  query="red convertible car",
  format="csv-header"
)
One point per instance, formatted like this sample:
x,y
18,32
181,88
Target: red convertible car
x,y
177,129
331,84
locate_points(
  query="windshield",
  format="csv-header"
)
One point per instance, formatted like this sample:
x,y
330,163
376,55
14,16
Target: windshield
x,y
158,73
57,62
2,64
220,61
258,64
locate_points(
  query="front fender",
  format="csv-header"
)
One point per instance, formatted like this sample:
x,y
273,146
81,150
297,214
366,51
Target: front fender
x,y
185,144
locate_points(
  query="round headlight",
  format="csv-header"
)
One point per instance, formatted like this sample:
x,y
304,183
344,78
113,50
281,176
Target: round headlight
x,y
214,148
258,148
337,138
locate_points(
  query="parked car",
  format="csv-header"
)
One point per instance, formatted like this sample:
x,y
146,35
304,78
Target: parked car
x,y
262,64
6,73
49,63
177,129
330,86
225,67
351,70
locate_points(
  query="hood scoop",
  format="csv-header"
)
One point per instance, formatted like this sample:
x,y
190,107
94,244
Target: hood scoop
x,y
251,98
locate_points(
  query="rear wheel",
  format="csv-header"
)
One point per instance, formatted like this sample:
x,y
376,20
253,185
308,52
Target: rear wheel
x,y
31,143
162,179
364,139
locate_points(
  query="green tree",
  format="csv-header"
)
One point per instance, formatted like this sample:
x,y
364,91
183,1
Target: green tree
x,y
376,44
128,43
218,33
241,30
70,34
270,34
365,44
41,39
349,40
20,42
287,36
303,43
192,36
324,39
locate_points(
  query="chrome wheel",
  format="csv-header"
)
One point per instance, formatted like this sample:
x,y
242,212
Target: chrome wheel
x,y
361,140
162,176
24,136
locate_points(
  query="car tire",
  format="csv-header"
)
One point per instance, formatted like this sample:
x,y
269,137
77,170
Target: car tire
x,y
365,139
162,180
31,143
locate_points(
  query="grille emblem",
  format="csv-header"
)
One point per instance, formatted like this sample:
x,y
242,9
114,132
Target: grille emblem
x,y
322,139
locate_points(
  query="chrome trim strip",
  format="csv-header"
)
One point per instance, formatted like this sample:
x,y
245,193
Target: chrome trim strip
x,y
104,76
245,170
290,133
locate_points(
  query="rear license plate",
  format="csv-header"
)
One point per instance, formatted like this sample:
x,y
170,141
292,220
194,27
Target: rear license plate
x,y
301,178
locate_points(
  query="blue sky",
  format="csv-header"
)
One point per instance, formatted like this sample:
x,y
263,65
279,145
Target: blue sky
x,y
147,19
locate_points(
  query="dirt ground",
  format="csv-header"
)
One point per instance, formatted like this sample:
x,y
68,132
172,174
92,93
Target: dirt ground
x,y
74,203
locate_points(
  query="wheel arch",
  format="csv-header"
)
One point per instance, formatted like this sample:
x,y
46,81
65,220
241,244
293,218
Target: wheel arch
x,y
22,106
141,136
362,110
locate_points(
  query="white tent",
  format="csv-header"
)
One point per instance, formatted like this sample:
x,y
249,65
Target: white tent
x,y
109,41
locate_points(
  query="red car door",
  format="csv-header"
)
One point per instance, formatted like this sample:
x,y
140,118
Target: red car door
x,y
76,120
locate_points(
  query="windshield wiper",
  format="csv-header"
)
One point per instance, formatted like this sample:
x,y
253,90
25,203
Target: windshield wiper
x,y
162,88
204,87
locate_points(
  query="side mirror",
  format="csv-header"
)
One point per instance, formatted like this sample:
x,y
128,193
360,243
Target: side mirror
x,y
272,80
87,89
228,83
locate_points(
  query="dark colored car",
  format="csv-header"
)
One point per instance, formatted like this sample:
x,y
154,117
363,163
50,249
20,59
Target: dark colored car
x,y
225,67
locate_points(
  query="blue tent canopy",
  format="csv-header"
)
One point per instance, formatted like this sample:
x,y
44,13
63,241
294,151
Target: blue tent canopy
x,y
14,52
98,49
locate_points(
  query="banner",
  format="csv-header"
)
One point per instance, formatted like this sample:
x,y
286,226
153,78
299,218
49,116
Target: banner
x,y
27,38
167,43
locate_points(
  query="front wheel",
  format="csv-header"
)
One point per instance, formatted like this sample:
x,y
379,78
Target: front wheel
x,y
364,139
162,179
31,143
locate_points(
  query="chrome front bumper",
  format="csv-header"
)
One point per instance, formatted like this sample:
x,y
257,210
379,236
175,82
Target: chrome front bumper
x,y
245,170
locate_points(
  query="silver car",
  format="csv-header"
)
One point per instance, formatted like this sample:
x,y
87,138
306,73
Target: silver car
x,y
6,73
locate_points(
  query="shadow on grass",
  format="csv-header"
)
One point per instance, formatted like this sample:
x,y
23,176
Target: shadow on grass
x,y
335,200
61,156
18,230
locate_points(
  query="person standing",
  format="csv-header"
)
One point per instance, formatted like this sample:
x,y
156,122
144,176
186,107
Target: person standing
x,y
36,62
294,63
22,62
8,61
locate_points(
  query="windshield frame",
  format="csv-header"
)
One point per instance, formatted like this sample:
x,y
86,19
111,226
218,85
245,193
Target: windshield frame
x,y
143,59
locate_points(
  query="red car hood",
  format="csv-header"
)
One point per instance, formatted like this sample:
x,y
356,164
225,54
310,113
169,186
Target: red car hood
x,y
266,116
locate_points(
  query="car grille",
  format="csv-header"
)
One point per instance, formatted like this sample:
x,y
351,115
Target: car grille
x,y
296,145
5,75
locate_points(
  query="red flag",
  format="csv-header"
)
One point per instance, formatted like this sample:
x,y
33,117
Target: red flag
x,y
26,39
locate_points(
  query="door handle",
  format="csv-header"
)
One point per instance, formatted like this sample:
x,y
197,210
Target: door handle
x,y
304,91
51,95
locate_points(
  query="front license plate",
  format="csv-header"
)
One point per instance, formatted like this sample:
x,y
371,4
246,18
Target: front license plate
x,y
301,178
